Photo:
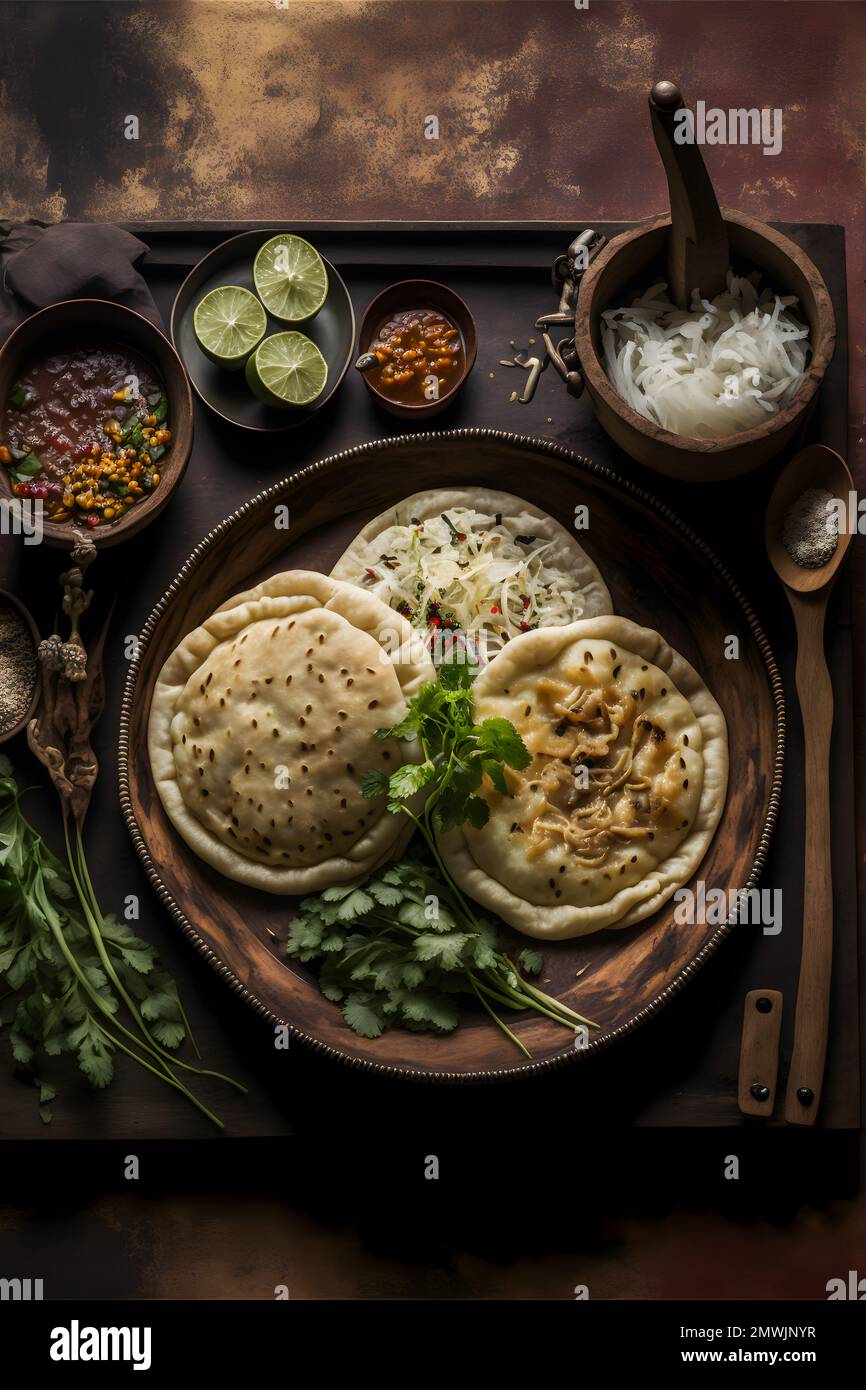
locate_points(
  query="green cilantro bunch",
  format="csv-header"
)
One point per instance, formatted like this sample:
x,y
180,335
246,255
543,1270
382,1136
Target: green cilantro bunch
x,y
70,974
399,949
457,753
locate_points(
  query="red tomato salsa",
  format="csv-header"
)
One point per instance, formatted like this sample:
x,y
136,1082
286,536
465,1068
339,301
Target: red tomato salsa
x,y
84,431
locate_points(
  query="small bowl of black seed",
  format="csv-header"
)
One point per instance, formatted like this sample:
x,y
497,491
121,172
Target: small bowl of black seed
x,y
19,666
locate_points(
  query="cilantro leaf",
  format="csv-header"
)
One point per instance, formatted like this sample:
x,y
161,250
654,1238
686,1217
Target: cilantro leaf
x,y
362,1016
477,812
457,675
496,773
406,728
414,914
356,904
427,1008
385,894
375,782
445,949
409,779
167,1033
498,739
531,961
331,990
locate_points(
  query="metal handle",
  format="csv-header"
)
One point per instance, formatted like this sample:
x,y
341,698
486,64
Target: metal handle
x,y
562,354
568,269
566,274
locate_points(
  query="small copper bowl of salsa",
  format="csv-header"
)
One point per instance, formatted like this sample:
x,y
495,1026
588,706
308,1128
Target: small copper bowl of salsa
x,y
95,420
417,347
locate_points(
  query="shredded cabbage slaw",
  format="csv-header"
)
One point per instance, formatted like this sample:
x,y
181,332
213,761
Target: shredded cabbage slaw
x,y
445,573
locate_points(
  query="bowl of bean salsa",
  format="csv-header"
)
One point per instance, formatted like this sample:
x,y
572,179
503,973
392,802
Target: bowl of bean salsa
x,y
95,420
417,346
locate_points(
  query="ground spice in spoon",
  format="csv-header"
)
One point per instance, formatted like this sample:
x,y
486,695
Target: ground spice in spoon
x,y
810,532
18,667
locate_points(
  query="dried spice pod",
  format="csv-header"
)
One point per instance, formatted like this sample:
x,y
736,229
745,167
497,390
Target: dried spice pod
x,y
73,697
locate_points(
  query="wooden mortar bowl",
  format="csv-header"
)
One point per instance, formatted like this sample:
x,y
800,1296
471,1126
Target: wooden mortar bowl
x,y
629,263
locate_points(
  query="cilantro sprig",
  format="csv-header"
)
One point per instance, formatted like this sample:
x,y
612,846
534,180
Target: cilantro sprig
x,y
397,949
72,975
457,753
397,952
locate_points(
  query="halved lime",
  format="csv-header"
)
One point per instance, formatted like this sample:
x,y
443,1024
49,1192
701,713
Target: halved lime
x,y
287,370
290,278
229,323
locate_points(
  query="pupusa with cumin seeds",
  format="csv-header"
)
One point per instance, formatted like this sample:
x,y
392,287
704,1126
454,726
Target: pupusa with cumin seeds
x,y
263,726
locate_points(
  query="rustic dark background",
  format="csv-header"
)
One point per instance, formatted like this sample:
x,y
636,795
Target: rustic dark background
x,y
247,111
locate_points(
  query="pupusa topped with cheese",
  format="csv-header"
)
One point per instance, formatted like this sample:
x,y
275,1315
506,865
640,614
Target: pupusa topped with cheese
x,y
625,787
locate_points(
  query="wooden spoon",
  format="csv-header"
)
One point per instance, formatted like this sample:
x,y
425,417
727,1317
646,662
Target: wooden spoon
x,y
698,251
808,591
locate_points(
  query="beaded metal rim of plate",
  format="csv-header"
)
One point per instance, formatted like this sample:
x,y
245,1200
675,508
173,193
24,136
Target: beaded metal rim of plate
x,y
279,490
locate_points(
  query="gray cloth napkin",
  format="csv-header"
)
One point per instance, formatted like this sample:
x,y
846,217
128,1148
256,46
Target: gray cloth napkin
x,y
40,265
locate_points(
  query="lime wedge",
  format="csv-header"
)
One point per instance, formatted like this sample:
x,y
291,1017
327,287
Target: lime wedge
x,y
290,278
229,323
287,370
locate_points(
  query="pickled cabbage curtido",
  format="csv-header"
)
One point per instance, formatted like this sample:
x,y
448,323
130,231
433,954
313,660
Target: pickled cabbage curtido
x,y
720,367
443,575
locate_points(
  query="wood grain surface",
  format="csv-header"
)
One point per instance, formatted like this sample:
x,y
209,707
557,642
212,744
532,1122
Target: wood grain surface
x,y
759,1051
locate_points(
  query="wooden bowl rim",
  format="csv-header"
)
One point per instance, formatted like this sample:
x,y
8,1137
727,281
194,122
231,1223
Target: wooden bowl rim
x,y
597,379
414,409
264,501
13,601
62,533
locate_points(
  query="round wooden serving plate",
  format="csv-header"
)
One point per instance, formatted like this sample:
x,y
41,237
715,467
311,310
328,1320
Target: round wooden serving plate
x,y
659,573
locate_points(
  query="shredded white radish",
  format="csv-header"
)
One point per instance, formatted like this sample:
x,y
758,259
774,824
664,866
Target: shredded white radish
x,y
446,576
713,370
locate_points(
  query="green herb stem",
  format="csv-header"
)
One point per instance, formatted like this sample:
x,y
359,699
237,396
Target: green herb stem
x,y
498,1021
91,893
166,1074
539,994
169,1080
91,910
